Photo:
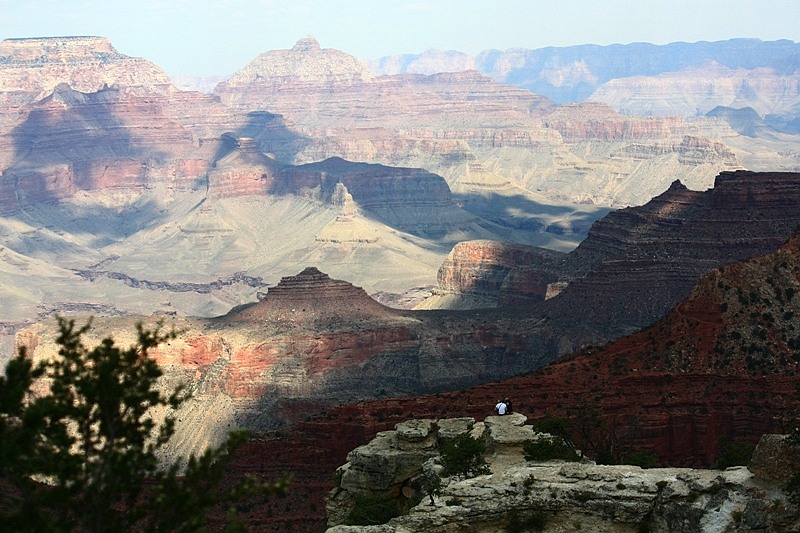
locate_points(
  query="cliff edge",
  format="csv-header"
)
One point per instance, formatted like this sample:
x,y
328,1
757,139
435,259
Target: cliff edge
x,y
518,494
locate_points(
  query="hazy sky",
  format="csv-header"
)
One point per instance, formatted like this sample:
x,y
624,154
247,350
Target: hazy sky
x,y
206,37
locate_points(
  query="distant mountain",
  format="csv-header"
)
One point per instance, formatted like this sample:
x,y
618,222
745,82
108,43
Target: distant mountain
x,y
499,147
677,79
31,68
573,73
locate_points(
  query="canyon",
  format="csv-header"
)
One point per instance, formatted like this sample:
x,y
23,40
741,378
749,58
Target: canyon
x,y
676,79
108,170
312,341
258,220
722,363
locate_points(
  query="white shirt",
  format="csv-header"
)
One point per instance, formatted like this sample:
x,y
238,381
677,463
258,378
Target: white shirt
x,y
500,408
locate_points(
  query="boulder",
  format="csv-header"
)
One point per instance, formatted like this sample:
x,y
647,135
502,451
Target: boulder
x,y
775,460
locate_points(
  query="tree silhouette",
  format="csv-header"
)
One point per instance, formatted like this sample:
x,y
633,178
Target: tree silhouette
x,y
84,456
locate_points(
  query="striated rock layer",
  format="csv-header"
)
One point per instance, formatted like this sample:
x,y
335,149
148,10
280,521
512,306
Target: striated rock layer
x,y
573,73
30,68
493,143
636,263
722,363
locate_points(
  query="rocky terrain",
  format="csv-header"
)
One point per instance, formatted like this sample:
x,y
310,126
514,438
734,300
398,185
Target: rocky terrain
x,y
497,146
554,495
722,363
269,363
678,79
632,253
32,68
771,90
134,201
311,342
117,188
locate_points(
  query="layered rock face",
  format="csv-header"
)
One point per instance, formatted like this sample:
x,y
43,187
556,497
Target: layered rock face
x,y
723,363
698,90
310,297
408,199
32,68
105,140
485,273
483,137
636,263
557,495
657,74
315,341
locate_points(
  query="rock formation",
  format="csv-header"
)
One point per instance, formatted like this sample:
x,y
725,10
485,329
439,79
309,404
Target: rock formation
x,y
313,341
633,254
698,90
117,147
483,137
31,68
554,495
722,363
573,73
489,273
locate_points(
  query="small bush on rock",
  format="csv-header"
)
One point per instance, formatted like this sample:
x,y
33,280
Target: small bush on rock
x,y
371,511
464,456
549,448
642,459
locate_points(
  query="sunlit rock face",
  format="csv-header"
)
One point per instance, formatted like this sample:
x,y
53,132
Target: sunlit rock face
x,y
31,68
483,137
698,90
557,494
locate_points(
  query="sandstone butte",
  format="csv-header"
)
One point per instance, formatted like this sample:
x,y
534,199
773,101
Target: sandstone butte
x,y
724,362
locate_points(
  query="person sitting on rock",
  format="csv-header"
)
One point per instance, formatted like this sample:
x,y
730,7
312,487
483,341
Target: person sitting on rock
x,y
500,408
509,407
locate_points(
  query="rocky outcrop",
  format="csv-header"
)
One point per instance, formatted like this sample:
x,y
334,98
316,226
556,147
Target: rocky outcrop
x,y
636,263
304,64
308,297
490,273
553,495
31,68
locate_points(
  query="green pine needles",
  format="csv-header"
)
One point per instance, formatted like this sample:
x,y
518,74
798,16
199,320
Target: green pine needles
x,y
84,455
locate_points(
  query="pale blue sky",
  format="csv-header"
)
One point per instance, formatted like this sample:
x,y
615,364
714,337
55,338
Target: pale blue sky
x,y
207,37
